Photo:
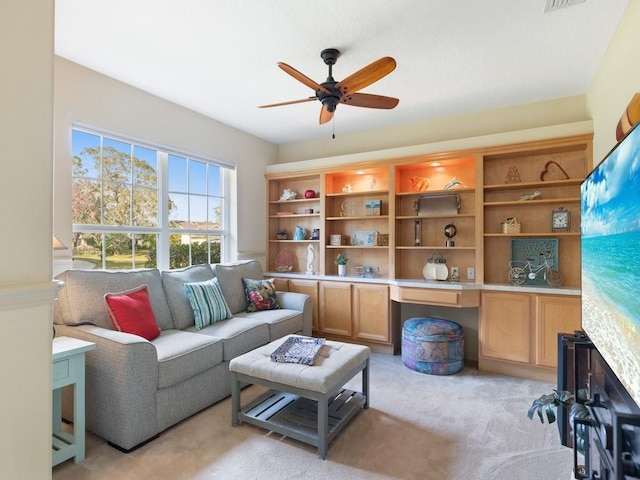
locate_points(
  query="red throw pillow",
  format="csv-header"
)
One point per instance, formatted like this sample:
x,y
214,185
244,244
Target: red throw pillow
x,y
131,312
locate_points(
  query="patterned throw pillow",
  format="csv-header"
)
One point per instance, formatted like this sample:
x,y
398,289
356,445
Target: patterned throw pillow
x,y
131,312
208,303
261,295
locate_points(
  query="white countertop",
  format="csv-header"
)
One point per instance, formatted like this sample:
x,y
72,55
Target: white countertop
x,y
432,284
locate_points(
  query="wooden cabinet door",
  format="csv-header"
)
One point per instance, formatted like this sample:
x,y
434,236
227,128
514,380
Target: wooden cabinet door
x,y
371,312
335,308
282,284
308,287
505,326
554,314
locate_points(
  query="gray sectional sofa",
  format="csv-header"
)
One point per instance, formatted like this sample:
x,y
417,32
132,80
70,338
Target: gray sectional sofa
x,y
136,388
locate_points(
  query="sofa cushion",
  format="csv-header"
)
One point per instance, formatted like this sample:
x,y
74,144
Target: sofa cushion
x,y
281,322
81,300
183,354
173,283
261,294
239,335
207,302
131,312
230,276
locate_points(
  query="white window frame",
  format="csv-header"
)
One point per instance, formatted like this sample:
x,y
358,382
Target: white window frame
x,y
163,231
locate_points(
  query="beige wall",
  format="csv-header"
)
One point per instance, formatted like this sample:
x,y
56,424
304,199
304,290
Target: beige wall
x,y
26,289
85,96
461,127
617,80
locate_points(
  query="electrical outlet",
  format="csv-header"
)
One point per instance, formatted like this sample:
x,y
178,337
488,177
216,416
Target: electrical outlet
x,y
455,274
471,273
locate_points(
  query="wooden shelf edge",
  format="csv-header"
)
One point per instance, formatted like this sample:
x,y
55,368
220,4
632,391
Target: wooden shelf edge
x,y
539,234
360,217
426,217
295,200
297,215
358,194
359,246
544,201
293,241
431,247
436,192
549,183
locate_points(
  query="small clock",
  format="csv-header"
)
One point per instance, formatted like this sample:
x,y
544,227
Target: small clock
x,y
560,220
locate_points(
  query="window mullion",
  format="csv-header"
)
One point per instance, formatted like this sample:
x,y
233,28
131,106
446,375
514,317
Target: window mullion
x,y
162,250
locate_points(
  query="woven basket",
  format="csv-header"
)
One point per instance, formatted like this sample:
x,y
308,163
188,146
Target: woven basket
x,y
511,225
337,240
382,239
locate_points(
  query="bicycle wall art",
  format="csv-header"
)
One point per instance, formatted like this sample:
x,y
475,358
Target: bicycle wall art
x,y
534,261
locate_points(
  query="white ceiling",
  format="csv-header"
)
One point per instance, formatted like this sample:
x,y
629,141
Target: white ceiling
x,y
218,57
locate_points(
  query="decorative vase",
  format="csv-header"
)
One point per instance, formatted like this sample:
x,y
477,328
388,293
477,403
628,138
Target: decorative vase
x,y
342,270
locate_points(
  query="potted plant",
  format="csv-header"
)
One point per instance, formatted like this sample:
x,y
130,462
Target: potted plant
x,y
341,261
546,404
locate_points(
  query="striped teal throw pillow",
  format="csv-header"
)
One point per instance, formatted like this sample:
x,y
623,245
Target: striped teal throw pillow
x,y
208,303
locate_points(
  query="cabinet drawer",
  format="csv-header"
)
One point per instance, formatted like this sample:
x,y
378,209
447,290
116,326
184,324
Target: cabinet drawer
x,y
435,297
60,370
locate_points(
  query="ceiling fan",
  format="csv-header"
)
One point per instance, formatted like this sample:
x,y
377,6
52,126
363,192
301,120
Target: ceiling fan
x,y
331,93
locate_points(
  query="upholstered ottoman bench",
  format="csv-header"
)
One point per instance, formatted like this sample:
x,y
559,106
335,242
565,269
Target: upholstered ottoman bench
x,y
313,392
433,345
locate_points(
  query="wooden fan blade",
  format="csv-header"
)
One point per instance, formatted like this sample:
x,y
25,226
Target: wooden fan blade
x,y
369,101
310,99
325,115
367,75
301,77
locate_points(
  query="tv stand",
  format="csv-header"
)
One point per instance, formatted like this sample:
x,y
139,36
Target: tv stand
x,y
611,436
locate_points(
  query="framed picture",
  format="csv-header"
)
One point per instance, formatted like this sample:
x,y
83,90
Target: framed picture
x,y
534,251
372,207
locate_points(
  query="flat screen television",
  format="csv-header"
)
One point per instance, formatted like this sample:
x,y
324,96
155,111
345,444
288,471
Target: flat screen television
x,y
610,241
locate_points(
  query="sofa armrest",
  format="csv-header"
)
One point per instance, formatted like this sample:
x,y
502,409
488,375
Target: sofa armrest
x,y
121,384
301,302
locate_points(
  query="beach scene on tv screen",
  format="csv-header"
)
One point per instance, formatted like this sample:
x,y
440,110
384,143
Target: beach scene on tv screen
x,y
610,238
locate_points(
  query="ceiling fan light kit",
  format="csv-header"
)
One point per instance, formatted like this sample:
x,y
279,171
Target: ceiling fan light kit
x,y
331,93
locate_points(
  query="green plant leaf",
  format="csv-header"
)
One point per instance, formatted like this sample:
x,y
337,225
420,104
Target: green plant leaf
x,y
545,405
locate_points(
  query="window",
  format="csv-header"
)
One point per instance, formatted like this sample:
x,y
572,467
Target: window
x,y
136,206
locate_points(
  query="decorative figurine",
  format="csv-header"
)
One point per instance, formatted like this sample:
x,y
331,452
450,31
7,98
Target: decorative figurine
x,y
513,176
419,184
417,233
545,170
450,232
288,194
531,196
310,256
453,183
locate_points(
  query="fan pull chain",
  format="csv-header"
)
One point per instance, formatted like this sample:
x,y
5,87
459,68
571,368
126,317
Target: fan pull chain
x,y
333,128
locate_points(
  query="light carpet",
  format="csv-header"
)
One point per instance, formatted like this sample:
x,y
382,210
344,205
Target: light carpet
x,y
471,426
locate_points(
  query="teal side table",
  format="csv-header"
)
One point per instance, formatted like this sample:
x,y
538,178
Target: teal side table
x,y
68,369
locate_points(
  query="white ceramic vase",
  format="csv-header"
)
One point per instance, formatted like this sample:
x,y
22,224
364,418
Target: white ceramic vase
x,y
342,270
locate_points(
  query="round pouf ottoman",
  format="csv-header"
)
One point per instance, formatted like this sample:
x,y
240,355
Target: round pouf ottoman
x,y
433,345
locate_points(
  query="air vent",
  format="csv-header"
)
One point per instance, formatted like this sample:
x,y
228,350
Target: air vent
x,y
551,5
